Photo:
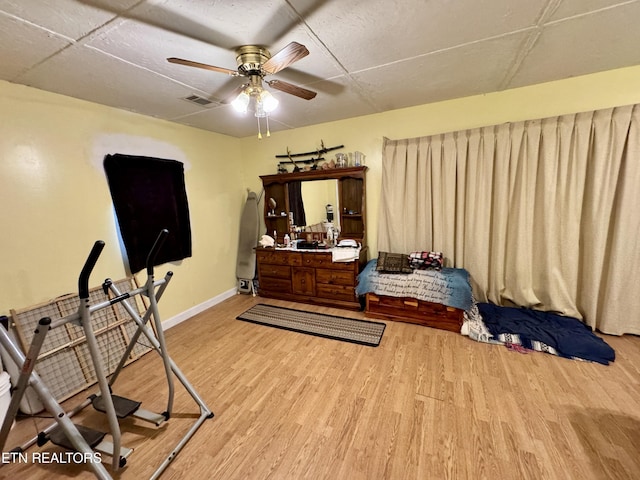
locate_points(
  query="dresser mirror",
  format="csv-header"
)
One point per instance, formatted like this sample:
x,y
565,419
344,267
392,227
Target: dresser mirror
x,y
305,196
316,195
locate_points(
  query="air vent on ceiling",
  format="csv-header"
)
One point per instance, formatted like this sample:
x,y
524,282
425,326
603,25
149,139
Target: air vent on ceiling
x,y
199,100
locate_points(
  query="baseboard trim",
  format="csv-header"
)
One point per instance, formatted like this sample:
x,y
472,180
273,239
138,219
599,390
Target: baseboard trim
x,y
187,314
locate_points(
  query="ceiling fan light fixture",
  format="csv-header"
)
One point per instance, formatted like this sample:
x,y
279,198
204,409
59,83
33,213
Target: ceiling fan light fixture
x,y
241,102
268,101
255,62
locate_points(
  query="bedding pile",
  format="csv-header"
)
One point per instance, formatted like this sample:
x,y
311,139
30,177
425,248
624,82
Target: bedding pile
x,y
535,330
420,275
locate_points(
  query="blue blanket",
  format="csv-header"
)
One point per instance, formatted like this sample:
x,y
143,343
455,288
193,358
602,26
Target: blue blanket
x,y
569,336
449,286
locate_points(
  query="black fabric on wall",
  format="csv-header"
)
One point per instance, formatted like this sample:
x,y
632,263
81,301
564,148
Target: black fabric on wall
x,y
148,195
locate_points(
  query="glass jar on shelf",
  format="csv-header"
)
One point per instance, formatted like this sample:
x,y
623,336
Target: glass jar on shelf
x,y
341,160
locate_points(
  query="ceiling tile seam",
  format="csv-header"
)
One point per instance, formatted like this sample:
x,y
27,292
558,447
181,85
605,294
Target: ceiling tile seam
x,y
196,113
196,90
38,27
328,53
522,53
106,27
447,49
70,42
547,11
592,12
528,43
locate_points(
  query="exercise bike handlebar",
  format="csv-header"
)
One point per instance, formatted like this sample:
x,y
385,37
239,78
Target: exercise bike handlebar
x,y
151,258
83,281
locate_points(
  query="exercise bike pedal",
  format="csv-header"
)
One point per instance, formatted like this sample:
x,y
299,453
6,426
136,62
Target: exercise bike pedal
x,y
125,407
59,437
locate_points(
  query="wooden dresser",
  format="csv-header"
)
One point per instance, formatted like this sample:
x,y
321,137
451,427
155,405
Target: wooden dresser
x,y
309,276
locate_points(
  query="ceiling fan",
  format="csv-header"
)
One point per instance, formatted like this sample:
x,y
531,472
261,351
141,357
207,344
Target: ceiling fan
x,y
256,62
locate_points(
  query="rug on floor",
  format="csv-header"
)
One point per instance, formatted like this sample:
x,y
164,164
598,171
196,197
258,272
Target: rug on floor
x,y
352,330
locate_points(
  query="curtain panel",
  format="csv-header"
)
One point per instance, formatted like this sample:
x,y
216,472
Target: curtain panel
x,y
544,214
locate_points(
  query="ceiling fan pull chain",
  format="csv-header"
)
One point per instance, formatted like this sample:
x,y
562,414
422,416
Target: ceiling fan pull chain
x,y
259,132
268,132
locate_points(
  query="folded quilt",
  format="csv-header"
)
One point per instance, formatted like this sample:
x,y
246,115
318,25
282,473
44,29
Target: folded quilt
x,y
426,260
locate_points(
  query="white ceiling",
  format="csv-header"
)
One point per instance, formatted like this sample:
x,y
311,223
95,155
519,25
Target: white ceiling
x,y
366,56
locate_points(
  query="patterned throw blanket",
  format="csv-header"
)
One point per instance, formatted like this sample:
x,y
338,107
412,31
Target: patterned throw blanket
x,y
449,286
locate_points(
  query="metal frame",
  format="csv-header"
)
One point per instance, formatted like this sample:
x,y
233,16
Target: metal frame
x,y
153,290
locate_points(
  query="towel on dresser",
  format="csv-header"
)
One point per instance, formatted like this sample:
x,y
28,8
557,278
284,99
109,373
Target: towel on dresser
x,y
345,254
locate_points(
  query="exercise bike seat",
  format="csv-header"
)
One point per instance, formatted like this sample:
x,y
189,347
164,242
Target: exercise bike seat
x,y
123,406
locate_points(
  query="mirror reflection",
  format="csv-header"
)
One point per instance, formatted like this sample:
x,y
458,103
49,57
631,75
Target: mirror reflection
x,y
316,195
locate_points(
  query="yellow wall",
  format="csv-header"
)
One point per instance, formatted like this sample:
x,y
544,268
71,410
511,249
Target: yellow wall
x,y
590,92
54,199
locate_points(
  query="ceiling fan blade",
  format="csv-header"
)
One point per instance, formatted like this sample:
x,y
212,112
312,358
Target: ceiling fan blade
x,y
285,57
191,63
292,89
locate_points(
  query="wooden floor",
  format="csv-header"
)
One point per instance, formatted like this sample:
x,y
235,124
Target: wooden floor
x,y
425,404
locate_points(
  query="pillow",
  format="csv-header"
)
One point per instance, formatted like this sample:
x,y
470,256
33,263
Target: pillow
x,y
426,260
393,263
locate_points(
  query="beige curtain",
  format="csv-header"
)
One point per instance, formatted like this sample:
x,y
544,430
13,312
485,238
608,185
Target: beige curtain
x,y
543,214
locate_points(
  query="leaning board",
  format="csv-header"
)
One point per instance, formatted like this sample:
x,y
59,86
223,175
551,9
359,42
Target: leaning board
x,y
248,240
64,363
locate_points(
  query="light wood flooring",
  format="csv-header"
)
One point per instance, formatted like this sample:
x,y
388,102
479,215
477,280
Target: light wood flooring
x,y
425,404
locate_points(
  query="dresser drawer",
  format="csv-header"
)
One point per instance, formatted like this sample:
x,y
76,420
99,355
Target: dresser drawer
x,y
335,277
337,292
275,285
316,259
275,271
279,257
325,260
